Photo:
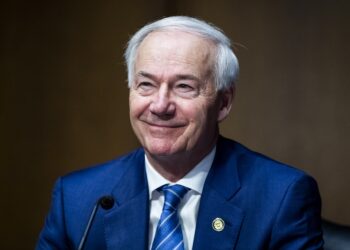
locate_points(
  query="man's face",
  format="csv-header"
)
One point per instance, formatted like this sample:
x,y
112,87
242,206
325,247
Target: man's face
x,y
174,107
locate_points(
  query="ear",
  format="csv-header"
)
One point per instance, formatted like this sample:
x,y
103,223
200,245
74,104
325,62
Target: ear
x,y
226,100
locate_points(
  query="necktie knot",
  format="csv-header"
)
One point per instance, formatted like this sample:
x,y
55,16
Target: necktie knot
x,y
173,195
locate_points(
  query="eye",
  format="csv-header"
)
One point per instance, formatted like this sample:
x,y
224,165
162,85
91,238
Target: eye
x,y
144,85
184,87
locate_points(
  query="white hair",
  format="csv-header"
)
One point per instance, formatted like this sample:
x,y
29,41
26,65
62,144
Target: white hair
x,y
226,65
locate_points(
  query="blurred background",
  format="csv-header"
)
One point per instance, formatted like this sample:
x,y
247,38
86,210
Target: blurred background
x,y
64,99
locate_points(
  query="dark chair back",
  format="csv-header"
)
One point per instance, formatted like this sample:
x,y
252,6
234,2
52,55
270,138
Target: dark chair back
x,y
336,237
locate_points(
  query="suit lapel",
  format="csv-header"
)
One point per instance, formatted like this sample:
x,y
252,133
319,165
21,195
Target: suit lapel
x,y
220,187
126,224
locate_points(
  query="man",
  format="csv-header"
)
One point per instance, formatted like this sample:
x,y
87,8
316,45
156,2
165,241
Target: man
x,y
187,187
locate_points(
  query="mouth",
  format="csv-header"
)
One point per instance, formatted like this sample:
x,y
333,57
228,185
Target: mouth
x,y
164,124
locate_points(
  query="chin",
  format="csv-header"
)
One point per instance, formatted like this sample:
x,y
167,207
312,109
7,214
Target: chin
x,y
161,147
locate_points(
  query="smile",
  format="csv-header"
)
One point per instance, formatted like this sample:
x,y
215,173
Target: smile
x,y
164,125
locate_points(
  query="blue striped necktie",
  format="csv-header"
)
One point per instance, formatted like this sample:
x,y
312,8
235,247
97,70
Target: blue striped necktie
x,y
169,233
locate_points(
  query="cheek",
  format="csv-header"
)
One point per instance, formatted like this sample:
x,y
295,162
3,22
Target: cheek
x,y
136,106
204,116
196,114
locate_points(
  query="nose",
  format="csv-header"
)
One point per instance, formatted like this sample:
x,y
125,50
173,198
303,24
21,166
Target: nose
x,y
162,105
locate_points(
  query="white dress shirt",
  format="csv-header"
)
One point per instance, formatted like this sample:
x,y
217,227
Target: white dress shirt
x,y
188,208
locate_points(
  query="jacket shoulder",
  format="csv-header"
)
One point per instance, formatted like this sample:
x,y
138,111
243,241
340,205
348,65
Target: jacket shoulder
x,y
102,177
253,163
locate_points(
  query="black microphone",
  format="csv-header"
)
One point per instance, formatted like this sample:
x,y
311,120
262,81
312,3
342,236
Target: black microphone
x,y
106,202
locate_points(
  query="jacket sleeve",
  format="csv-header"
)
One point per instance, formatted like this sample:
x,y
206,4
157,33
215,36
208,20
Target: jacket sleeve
x,y
53,235
298,222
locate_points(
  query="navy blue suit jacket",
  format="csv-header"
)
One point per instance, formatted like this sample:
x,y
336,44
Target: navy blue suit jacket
x,y
265,205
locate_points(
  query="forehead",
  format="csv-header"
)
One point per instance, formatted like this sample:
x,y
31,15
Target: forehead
x,y
175,49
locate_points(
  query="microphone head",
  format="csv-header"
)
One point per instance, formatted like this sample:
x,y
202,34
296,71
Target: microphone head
x,y
106,202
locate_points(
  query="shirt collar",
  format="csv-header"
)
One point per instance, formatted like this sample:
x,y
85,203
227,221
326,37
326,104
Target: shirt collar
x,y
194,179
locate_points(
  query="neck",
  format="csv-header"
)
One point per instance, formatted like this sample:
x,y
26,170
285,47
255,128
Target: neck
x,y
176,166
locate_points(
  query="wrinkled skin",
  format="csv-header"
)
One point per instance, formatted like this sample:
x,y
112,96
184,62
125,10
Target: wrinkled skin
x,y
174,105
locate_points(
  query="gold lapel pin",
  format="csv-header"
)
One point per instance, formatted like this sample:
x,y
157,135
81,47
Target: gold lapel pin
x,y
218,224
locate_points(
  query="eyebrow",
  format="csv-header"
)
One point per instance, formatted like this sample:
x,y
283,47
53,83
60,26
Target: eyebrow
x,y
176,77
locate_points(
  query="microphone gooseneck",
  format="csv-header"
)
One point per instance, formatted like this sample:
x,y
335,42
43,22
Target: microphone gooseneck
x,y
106,202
